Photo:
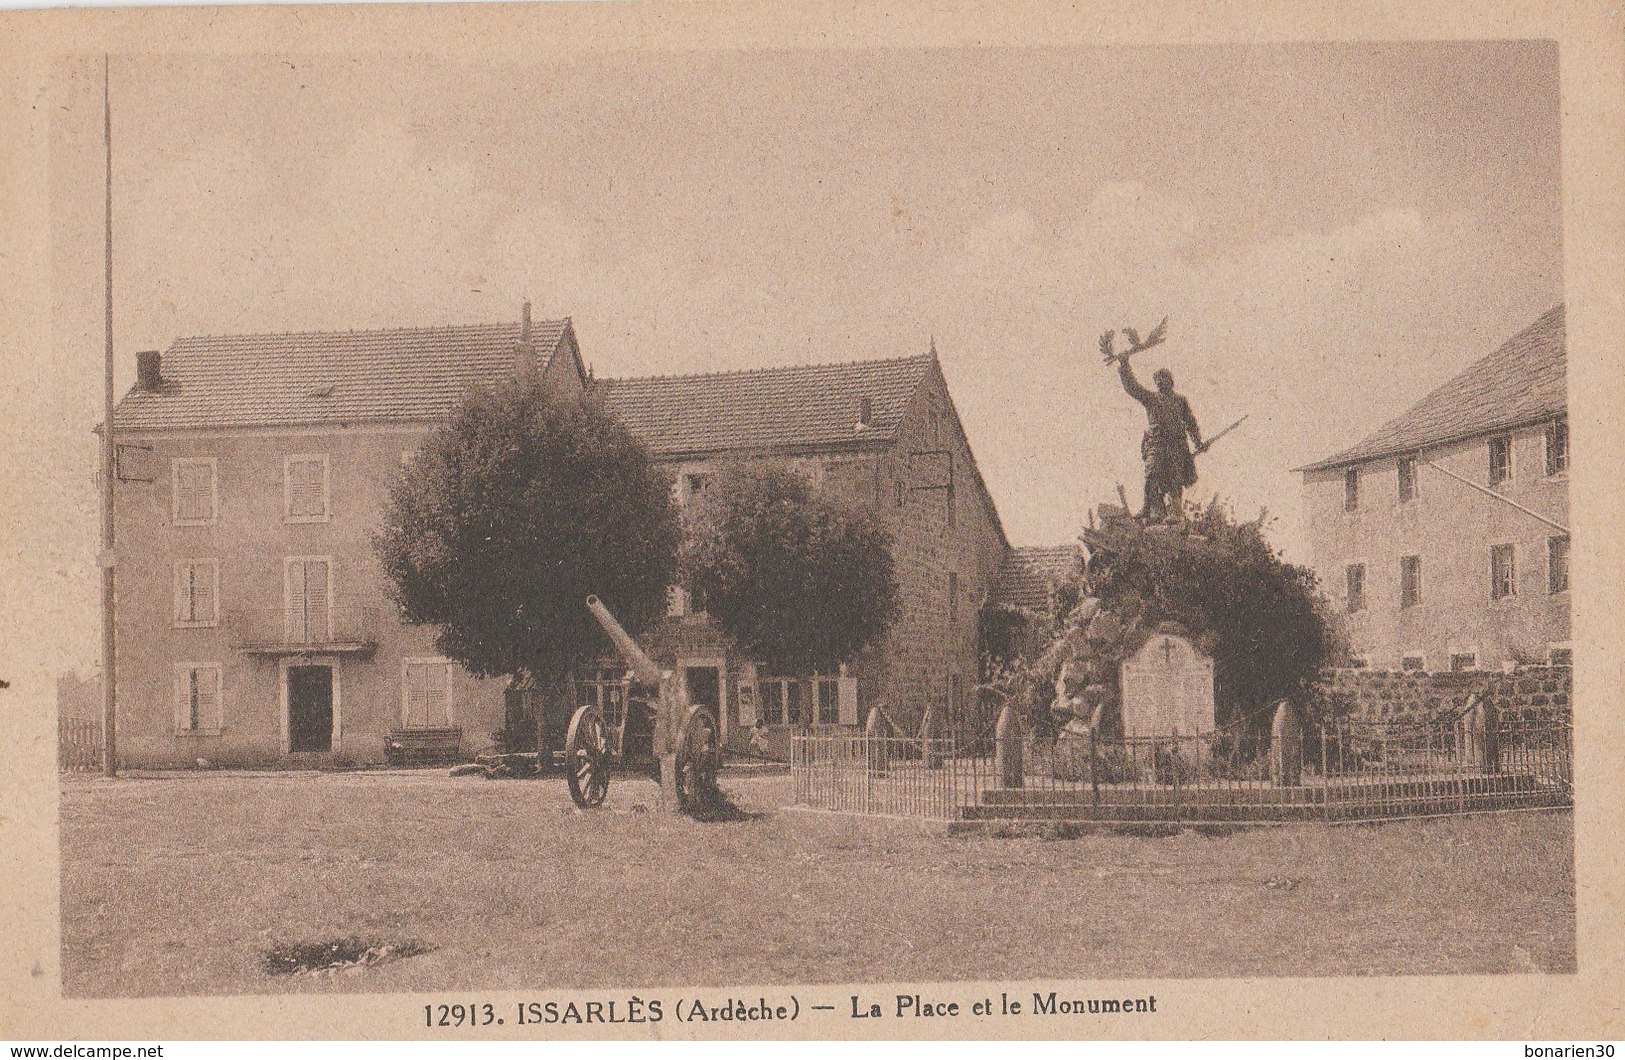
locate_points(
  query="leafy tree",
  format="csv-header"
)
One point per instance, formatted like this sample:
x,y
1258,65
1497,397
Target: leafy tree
x,y
511,514
801,580
1264,620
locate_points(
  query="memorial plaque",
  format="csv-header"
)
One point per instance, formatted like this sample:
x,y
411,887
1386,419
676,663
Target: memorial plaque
x,y
1167,688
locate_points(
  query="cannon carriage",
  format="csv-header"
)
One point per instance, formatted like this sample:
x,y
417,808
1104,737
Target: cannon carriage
x,y
685,738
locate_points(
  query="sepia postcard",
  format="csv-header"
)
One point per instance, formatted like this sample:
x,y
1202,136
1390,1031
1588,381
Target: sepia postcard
x,y
820,521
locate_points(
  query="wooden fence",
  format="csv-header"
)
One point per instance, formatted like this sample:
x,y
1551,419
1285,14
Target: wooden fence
x,y
78,745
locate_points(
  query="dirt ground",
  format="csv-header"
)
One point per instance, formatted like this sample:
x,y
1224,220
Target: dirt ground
x,y
180,884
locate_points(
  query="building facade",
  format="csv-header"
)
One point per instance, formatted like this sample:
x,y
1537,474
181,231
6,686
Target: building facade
x,y
254,625
1442,537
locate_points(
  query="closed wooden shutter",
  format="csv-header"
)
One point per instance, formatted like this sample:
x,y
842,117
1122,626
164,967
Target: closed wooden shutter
x,y
849,700
206,681
194,491
307,487
308,601
316,599
428,695
183,592
204,595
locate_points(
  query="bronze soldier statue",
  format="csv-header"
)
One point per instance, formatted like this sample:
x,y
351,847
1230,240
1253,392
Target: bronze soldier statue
x,y
1170,466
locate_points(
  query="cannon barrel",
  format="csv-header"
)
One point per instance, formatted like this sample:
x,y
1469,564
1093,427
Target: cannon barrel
x,y
640,663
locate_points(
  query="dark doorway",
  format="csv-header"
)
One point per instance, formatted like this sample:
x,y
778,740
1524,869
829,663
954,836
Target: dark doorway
x,y
704,685
310,708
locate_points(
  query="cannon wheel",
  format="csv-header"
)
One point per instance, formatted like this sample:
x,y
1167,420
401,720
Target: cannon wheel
x,y
699,755
586,758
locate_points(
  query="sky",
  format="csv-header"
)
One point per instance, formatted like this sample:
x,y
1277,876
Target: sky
x,y
1332,230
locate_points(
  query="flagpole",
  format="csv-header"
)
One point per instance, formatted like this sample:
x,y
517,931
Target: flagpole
x,y
109,466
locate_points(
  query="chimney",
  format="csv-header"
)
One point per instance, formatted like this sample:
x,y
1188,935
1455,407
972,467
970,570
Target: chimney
x,y
525,359
149,370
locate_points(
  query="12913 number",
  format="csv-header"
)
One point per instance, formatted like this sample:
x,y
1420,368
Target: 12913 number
x,y
474,1014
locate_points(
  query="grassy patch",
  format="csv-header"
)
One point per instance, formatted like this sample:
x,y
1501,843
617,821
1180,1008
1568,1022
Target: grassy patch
x,y
181,885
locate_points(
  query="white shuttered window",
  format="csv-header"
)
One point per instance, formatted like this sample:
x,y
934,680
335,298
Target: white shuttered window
x,y
197,592
197,698
305,488
309,584
426,694
194,495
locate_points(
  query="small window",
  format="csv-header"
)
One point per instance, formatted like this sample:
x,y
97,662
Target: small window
x,y
1410,581
408,458
1503,571
1407,479
1413,662
195,499
792,703
829,700
696,486
1351,490
953,597
197,698
305,489
901,492
197,593
1559,655
1500,459
1557,564
426,694
1463,661
1557,448
1355,575
866,411
771,694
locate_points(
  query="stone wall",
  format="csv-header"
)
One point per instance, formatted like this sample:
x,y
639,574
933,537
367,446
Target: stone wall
x,y
1415,695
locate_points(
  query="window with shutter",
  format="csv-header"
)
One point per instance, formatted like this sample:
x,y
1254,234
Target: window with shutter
x,y
426,694
829,701
197,593
194,495
309,592
198,700
305,489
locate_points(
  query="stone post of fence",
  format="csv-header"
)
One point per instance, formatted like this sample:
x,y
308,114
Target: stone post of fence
x,y
930,733
874,740
1482,736
1007,748
1286,747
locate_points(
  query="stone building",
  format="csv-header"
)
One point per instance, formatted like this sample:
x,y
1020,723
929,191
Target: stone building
x,y
253,622
1442,537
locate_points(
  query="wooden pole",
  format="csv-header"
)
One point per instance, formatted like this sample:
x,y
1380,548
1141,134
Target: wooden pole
x,y
109,466
1491,493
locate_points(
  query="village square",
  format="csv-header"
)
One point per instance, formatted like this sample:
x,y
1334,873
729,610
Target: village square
x,y
893,655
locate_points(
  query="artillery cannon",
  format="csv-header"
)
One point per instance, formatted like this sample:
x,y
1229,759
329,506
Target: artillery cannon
x,y
687,740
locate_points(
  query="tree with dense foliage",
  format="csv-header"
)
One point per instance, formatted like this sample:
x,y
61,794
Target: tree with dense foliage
x,y
798,578
511,514
1264,620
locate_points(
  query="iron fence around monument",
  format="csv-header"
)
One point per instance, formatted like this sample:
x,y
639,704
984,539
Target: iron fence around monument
x,y
1343,771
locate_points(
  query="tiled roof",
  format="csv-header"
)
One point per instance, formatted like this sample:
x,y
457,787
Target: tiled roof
x,y
804,407
1030,571
1522,382
326,377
